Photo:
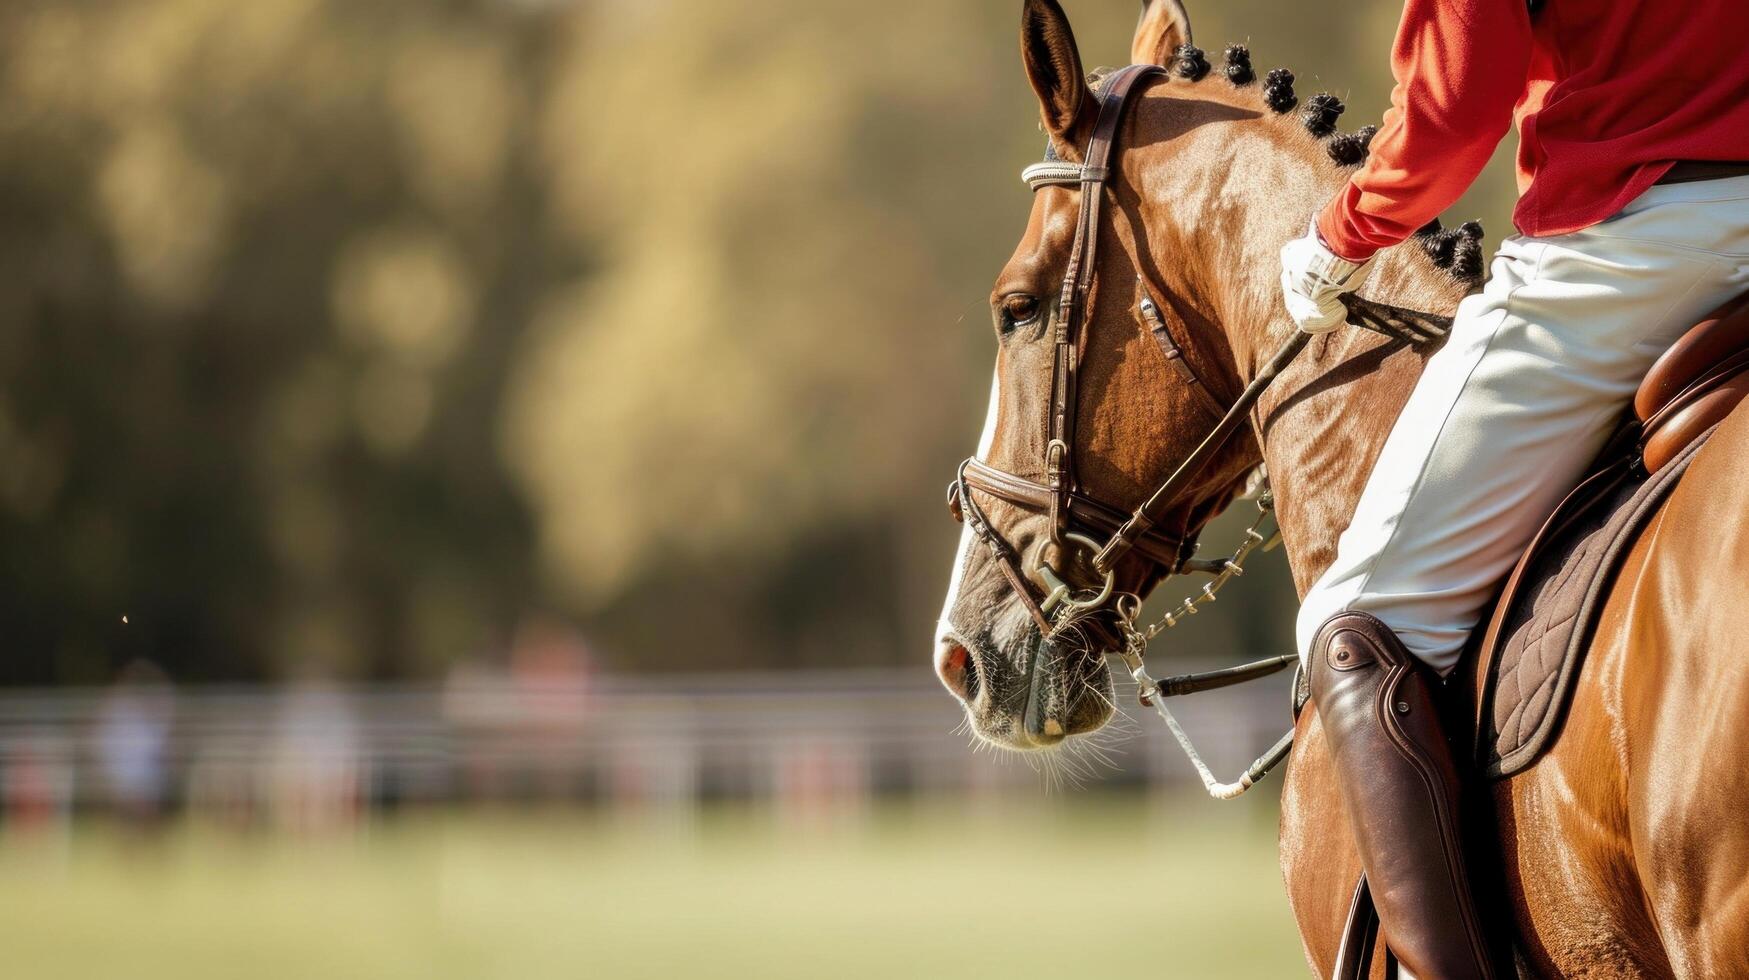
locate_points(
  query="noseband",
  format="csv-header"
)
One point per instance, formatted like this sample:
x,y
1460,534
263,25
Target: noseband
x,y
1078,521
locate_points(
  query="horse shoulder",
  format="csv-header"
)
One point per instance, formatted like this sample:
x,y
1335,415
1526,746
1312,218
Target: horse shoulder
x,y
1319,861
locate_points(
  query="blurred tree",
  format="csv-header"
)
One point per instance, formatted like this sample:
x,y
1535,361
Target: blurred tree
x,y
255,257
340,337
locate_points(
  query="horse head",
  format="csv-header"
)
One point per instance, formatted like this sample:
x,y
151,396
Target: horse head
x,y
1170,300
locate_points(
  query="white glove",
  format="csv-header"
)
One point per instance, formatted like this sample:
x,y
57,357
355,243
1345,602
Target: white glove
x,y
1313,279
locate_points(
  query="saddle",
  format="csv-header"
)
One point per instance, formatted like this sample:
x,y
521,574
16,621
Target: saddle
x,y
1530,654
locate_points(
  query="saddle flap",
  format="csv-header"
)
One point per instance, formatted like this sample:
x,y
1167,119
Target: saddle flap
x,y
1530,655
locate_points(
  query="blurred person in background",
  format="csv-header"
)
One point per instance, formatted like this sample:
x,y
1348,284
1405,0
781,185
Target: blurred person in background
x,y
316,771
1634,217
549,672
132,740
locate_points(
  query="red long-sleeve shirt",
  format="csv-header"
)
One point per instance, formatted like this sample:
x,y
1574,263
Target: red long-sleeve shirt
x,y
1607,95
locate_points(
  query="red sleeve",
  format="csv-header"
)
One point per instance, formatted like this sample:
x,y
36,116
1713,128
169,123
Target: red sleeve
x,y
1460,67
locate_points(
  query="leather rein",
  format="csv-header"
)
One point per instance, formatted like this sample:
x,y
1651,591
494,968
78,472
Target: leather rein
x,y
1077,519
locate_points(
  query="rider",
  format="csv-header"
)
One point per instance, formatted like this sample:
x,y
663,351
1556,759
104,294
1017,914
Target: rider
x,y
1633,210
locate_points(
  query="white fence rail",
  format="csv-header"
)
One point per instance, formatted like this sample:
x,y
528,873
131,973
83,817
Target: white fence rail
x,y
315,754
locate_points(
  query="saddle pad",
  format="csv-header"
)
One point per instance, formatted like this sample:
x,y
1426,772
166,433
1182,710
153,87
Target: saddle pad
x,y
1550,611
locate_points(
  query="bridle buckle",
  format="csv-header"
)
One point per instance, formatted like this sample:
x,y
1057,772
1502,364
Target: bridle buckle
x,y
1055,452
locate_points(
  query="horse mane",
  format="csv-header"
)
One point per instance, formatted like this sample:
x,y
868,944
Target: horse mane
x,y
1457,251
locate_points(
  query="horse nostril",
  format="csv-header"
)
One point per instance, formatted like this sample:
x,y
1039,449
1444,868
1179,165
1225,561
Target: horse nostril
x,y
953,664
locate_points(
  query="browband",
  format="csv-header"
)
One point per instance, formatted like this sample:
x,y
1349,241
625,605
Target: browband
x,y
1051,173
1054,171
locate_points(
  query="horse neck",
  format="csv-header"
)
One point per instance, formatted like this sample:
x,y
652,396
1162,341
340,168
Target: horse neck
x,y
1322,434
1321,425
1324,422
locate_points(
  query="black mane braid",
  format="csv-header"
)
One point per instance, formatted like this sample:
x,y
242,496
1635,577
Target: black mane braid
x,y
1278,90
1349,149
1238,67
1320,114
1439,247
1189,62
1456,250
1466,259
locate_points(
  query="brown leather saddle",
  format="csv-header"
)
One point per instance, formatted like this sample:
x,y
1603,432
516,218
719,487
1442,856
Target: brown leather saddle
x,y
1530,654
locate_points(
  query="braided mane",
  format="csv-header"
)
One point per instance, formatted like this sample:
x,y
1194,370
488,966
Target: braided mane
x,y
1458,250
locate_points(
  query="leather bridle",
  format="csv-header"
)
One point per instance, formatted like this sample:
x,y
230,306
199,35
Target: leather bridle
x,y
1079,520
1075,518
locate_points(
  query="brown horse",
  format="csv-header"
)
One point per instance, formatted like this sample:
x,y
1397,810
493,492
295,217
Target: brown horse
x,y
1626,848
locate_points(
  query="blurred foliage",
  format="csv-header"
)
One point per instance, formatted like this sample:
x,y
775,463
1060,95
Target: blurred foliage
x,y
339,337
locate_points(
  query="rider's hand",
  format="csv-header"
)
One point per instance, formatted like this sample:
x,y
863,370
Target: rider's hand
x,y
1313,279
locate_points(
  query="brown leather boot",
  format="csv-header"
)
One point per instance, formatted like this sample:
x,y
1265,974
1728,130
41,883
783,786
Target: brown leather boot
x,y
1400,788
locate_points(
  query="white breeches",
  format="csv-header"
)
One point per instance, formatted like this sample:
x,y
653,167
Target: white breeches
x,y
1538,369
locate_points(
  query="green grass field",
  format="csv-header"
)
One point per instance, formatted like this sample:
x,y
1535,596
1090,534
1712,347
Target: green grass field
x,y
1074,887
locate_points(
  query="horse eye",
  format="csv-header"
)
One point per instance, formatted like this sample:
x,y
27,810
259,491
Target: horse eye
x,y
1019,309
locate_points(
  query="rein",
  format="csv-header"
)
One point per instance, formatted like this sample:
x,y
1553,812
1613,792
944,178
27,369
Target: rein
x,y
1078,521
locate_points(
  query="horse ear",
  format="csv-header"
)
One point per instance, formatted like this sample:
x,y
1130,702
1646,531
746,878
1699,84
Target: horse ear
x,y
1163,27
1047,46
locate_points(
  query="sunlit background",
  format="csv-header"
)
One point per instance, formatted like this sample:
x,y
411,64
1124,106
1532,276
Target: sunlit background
x,y
470,500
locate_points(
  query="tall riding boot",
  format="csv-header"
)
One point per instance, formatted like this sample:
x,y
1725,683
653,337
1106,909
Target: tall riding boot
x,y
1400,786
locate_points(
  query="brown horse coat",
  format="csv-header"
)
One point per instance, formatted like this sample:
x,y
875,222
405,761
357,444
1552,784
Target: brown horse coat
x,y
1625,848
